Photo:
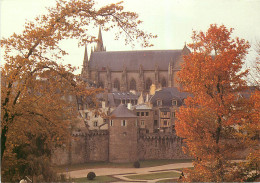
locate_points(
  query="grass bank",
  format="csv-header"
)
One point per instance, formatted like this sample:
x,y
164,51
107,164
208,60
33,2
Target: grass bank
x,y
152,176
145,163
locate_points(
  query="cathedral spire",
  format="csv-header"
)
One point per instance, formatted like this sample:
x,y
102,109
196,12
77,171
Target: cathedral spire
x,y
85,55
85,69
100,46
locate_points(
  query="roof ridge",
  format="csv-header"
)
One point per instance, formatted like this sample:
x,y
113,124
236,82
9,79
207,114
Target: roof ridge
x,y
104,52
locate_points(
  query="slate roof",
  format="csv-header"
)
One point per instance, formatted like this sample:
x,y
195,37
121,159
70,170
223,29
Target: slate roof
x,y
167,94
122,112
117,60
124,95
142,107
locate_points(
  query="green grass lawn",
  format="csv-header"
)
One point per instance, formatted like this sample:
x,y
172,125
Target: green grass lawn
x,y
153,176
146,163
97,179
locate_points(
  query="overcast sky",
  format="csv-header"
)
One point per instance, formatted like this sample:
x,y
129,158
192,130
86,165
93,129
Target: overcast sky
x,y
172,20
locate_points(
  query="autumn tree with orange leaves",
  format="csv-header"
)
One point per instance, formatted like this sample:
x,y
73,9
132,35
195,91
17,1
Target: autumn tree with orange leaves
x,y
34,87
217,121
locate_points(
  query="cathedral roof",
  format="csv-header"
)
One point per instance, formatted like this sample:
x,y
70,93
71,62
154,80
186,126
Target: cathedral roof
x,y
122,112
132,60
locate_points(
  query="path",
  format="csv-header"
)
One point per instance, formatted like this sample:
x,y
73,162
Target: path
x,y
122,172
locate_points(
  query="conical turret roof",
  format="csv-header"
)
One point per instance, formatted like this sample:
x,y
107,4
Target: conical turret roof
x,y
122,112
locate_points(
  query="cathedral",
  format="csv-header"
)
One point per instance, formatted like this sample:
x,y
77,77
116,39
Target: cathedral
x,y
132,70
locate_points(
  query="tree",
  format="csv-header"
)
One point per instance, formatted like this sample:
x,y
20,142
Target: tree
x,y
254,74
35,89
212,121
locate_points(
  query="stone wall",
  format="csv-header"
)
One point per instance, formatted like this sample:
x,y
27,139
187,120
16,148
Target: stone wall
x,y
83,148
94,147
160,146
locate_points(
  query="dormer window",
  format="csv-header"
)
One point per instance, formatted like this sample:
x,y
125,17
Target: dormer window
x,y
174,102
159,102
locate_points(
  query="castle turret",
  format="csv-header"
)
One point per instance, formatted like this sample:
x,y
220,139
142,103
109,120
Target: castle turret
x,y
123,135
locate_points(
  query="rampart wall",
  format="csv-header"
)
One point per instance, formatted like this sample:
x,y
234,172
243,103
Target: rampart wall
x,y
160,146
93,147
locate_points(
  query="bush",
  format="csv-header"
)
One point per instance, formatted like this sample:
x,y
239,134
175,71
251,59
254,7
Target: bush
x,y
137,164
91,175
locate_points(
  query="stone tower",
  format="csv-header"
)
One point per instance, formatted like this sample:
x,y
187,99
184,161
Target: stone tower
x,y
122,135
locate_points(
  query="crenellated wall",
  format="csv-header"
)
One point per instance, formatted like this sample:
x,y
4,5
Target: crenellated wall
x,y
84,148
94,147
160,146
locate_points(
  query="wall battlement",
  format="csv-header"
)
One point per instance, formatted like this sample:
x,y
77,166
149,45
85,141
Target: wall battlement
x,y
93,146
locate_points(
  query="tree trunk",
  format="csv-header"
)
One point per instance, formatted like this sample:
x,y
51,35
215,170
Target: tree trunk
x,y
3,141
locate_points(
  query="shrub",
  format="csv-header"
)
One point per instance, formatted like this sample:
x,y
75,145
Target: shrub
x,y
137,164
91,175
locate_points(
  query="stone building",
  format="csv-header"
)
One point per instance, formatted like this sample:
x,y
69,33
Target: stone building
x,y
123,135
132,70
165,102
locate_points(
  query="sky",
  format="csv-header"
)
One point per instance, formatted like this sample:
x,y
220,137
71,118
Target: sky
x,y
172,20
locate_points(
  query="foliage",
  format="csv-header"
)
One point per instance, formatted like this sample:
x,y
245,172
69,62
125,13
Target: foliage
x,y
137,164
37,93
254,74
91,175
217,121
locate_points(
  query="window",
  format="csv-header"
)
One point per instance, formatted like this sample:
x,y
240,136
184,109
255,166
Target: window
x,y
163,82
155,112
159,102
147,113
117,84
138,113
101,84
165,123
148,83
164,113
142,113
155,123
123,122
174,102
173,114
111,122
142,122
95,123
132,85
86,115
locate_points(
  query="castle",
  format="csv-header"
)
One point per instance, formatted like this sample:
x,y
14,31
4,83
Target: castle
x,y
138,107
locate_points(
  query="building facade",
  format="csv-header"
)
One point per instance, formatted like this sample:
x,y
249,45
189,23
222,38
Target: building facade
x,y
132,70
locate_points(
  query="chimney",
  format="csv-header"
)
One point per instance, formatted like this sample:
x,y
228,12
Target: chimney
x,y
129,106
